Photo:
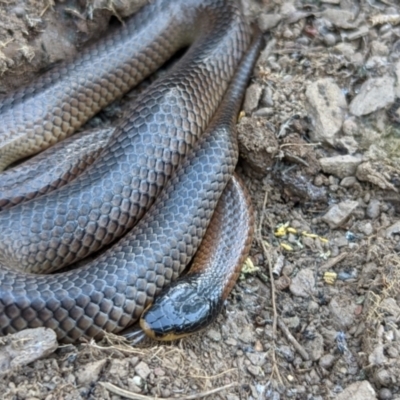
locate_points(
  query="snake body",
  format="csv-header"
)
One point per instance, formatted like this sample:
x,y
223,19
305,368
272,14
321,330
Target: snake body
x,y
111,292
110,196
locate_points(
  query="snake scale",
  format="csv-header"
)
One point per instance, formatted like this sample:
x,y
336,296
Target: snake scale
x,y
112,194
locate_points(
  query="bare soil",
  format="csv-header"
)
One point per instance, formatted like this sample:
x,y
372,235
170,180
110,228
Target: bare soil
x,y
318,307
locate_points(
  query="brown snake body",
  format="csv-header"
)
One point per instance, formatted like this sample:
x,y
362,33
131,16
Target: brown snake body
x,y
108,198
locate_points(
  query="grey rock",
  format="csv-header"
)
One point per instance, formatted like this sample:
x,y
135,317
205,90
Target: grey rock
x,y
315,347
265,112
347,143
393,229
326,361
257,358
390,306
374,209
340,241
136,384
379,49
330,39
268,21
385,394
383,377
24,347
339,18
350,127
342,312
303,284
90,373
339,213
326,105
366,228
119,368
214,335
375,93
359,33
313,307
143,370
358,391
286,352
348,182
292,323
340,166
252,97
133,387
267,99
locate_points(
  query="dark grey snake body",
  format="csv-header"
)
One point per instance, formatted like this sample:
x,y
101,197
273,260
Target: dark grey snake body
x,y
111,292
108,198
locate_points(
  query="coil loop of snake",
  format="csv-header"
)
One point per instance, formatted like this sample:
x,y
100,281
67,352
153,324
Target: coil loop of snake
x,y
168,165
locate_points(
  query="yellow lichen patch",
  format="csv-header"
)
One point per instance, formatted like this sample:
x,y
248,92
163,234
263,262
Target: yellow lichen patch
x,y
330,277
286,247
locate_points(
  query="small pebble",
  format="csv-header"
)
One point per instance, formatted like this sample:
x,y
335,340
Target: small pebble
x,y
326,361
143,370
330,39
348,181
373,209
385,394
383,377
214,335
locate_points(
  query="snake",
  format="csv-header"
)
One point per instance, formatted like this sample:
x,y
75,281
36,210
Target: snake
x,y
114,192
112,291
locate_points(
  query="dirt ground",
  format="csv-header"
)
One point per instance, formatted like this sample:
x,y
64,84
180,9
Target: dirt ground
x,y
316,314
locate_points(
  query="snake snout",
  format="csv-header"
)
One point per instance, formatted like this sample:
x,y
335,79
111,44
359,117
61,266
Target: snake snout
x,y
179,310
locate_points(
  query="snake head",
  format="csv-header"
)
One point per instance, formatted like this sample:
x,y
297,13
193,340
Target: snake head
x,y
180,310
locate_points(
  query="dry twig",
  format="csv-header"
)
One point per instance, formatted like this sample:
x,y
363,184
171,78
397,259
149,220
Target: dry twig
x,y
293,340
273,300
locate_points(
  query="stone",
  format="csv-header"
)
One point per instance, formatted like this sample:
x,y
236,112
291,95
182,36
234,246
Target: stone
x,y
376,173
390,306
338,214
315,347
214,335
374,209
342,311
286,352
326,361
374,94
268,21
340,166
303,284
348,181
348,144
326,105
143,370
383,377
252,98
366,228
361,390
24,347
339,18
385,394
350,127
258,145
90,373
393,229
256,359
119,368
379,49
